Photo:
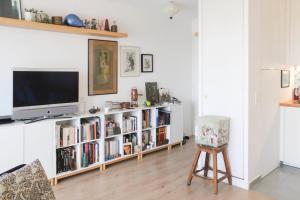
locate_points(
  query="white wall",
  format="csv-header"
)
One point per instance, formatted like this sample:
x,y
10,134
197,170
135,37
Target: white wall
x,y
268,40
148,27
223,71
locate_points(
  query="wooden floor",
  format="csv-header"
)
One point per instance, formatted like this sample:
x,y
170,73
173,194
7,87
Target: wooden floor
x,y
160,175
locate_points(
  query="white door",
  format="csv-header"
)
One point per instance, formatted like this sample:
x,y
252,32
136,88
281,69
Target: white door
x,y
39,144
11,147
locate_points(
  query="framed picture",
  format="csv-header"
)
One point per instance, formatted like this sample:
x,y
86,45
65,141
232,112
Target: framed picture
x,y
103,70
285,78
10,9
152,94
147,63
129,61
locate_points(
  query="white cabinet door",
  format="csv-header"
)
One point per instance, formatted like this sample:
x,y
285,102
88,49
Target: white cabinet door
x,y
291,136
39,144
176,123
11,147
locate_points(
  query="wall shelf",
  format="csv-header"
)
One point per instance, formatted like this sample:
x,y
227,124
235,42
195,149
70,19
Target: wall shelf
x,y
58,28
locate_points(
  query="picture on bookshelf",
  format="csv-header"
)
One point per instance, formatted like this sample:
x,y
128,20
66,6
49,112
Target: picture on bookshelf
x,y
103,62
133,140
66,159
152,93
112,128
127,149
112,150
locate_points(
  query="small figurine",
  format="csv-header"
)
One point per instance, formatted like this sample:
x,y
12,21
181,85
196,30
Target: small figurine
x,y
106,26
114,27
94,24
134,97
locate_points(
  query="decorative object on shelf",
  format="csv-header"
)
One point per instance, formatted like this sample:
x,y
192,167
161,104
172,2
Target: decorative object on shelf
x,y
147,62
152,92
30,14
42,17
164,96
172,9
87,24
134,97
103,61
129,61
114,27
100,24
106,26
57,20
73,20
125,105
94,110
174,100
94,24
11,9
147,103
127,149
285,78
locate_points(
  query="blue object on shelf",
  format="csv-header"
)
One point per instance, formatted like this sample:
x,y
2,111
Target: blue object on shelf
x,y
73,20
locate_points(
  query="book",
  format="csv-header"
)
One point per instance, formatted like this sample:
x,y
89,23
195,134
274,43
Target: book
x,y
90,129
112,149
89,153
66,135
66,159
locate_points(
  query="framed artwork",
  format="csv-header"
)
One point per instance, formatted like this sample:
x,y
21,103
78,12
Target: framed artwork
x,y
147,63
103,70
152,94
10,9
285,78
129,61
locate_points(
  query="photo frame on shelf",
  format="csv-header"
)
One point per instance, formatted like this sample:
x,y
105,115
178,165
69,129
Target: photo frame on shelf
x,y
11,9
129,61
285,78
147,63
102,67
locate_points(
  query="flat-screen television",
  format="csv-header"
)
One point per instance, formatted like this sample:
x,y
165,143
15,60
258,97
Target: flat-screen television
x,y
44,93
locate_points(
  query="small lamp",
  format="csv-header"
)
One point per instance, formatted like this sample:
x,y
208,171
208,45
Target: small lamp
x,y
172,9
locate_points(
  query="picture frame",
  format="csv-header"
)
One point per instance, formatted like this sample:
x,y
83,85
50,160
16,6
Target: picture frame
x,y
285,78
11,9
102,67
147,63
129,61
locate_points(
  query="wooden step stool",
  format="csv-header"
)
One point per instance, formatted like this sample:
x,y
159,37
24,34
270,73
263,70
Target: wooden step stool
x,y
214,152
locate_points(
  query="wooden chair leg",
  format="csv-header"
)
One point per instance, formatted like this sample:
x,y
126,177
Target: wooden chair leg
x,y
215,170
194,166
206,166
227,166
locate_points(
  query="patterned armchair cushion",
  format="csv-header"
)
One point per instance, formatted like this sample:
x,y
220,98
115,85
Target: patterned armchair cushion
x,y
28,183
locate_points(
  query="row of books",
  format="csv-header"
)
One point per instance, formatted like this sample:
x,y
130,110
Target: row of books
x,y
147,140
89,154
112,128
66,135
112,150
129,124
66,159
90,129
163,117
161,136
146,119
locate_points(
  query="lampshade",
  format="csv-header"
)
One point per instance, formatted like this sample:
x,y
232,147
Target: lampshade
x,y
172,9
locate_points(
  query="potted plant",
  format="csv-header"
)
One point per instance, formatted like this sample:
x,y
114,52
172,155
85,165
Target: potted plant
x,y
30,14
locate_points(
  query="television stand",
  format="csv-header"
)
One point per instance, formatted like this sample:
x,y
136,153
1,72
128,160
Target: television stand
x,y
47,117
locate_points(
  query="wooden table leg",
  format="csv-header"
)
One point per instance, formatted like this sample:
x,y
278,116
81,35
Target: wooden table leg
x,y
227,165
194,166
215,169
206,166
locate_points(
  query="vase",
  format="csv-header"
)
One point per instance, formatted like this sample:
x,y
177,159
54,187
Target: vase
x,y
28,16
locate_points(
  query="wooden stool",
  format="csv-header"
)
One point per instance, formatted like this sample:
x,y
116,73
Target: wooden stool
x,y
214,152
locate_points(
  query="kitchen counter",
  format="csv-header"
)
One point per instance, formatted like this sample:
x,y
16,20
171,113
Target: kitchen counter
x,y
290,103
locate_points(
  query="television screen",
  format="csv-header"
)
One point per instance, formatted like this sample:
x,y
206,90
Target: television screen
x,y
36,88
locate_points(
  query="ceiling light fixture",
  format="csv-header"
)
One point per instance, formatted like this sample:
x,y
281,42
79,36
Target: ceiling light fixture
x,y
172,9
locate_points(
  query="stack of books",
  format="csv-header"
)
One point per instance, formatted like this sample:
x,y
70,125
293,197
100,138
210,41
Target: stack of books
x,y
66,135
90,130
161,136
163,118
146,119
129,124
112,149
66,159
89,154
112,128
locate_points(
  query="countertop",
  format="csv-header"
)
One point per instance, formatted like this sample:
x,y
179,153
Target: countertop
x,y
290,103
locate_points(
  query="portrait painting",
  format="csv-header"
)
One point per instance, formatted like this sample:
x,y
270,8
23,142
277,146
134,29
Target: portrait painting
x,y
130,61
103,59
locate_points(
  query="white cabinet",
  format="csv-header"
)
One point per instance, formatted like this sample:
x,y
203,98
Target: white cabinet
x,y
39,144
290,136
177,123
11,147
